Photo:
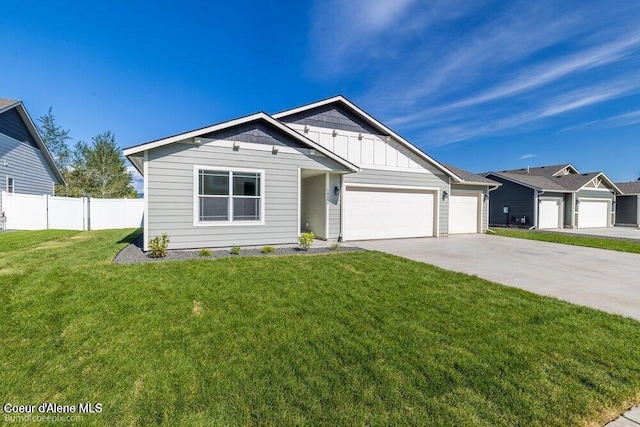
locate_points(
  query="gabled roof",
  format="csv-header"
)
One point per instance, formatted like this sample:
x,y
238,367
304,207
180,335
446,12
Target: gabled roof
x,y
373,122
547,171
260,116
8,104
559,184
471,178
632,187
537,182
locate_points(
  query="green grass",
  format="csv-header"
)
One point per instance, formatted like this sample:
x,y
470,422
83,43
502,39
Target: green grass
x,y
339,339
569,239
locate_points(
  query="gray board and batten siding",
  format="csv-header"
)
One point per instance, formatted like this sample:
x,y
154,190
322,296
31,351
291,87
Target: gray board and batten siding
x,y
170,193
25,162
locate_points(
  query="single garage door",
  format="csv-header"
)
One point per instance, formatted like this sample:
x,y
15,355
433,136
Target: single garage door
x,y
549,214
380,213
463,214
593,213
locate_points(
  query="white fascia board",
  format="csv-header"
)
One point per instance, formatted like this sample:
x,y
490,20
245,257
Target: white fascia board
x,y
33,130
257,116
373,122
186,135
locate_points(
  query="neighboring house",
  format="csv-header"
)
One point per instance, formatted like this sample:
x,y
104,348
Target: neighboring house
x,y
628,204
26,167
556,196
327,167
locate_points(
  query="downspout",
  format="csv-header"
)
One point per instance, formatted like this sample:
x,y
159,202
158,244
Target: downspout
x,y
536,207
340,196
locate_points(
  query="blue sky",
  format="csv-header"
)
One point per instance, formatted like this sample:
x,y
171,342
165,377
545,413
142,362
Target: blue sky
x,y
484,85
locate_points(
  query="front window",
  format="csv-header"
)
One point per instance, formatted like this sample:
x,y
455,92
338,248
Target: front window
x,y
228,196
10,185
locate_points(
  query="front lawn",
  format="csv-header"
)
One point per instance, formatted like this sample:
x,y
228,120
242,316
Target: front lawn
x,y
571,239
340,339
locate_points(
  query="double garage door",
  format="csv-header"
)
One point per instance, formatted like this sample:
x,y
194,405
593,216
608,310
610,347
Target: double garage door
x,y
385,213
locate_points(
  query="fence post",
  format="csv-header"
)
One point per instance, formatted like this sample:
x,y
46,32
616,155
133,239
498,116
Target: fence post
x,y
46,208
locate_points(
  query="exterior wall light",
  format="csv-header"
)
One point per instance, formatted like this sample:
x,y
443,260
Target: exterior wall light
x,y
445,195
336,190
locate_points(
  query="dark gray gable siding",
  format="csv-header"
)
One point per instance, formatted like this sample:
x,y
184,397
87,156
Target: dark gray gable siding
x,y
331,116
257,133
627,210
517,197
11,124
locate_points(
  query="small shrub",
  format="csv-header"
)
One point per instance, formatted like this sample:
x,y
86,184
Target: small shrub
x,y
204,252
268,249
335,246
305,240
235,250
158,246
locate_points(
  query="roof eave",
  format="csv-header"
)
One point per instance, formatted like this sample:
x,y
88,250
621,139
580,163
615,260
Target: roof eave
x,y
375,123
33,130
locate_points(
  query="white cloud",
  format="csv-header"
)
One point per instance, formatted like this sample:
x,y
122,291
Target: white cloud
x,y
527,156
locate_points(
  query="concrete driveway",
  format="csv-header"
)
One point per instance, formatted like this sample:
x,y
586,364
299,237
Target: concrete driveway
x,y
606,280
616,232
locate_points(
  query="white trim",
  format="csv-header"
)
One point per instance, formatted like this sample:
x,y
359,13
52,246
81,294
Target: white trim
x,y
299,199
33,130
230,222
145,190
327,194
393,187
375,123
13,184
585,188
595,199
252,146
258,116
396,169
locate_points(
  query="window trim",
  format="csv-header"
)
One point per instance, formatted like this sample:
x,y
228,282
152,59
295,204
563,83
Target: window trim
x,y
230,222
13,185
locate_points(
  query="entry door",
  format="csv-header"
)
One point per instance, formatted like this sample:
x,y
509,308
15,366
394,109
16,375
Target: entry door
x,y
379,213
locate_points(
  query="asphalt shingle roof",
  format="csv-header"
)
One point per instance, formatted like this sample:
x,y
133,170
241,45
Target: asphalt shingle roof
x,y
547,171
6,102
632,187
470,177
574,182
535,181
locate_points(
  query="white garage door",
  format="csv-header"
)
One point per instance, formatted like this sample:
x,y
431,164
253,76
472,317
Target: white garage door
x,y
463,214
549,214
593,213
378,213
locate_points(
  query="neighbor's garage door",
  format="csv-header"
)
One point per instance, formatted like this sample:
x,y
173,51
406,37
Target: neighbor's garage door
x,y
593,213
549,214
380,213
463,214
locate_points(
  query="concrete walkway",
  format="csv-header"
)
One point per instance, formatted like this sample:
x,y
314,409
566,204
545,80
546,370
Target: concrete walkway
x,y
631,418
598,278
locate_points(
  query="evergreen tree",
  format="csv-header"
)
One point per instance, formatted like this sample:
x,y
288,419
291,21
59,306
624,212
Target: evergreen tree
x,y
98,170
55,138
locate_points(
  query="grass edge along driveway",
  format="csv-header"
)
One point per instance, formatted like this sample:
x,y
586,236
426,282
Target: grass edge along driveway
x,y
354,338
570,239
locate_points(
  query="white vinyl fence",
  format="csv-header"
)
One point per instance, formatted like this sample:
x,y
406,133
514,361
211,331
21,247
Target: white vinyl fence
x,y
29,212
